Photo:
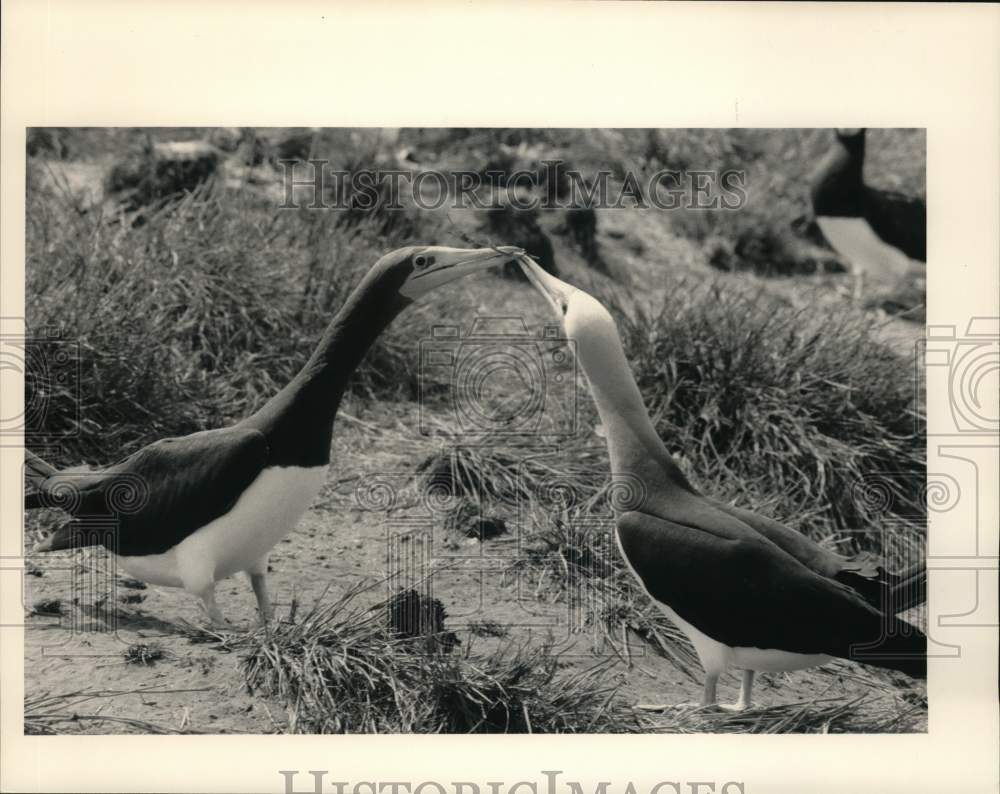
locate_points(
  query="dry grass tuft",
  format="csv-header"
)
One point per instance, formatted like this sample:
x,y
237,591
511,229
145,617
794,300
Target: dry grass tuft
x,y
143,654
342,669
47,606
513,471
45,713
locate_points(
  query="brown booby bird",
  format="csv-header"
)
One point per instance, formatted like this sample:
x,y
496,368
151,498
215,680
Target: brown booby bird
x,y
879,232
191,511
749,592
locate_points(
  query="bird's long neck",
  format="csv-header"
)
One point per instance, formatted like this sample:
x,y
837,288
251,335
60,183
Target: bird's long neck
x,y
298,420
839,178
634,446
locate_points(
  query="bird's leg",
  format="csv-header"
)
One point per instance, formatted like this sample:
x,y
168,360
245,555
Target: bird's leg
x,y
258,581
745,694
859,283
207,596
708,697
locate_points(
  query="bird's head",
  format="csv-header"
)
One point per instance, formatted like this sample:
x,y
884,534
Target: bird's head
x,y
851,138
580,314
415,270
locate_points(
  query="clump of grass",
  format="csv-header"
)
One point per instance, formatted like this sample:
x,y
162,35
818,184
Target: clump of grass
x,y
47,606
413,615
143,654
160,173
157,315
513,472
523,691
192,319
906,298
343,670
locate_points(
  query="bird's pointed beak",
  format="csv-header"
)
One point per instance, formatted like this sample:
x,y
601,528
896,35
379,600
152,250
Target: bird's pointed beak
x,y
550,287
448,264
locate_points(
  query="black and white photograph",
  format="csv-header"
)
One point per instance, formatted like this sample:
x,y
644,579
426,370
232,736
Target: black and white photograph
x,y
475,430
580,397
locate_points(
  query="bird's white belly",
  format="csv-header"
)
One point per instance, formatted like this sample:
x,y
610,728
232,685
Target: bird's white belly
x,y
856,241
717,657
267,511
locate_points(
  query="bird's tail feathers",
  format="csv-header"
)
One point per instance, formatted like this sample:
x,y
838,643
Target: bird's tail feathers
x,y
902,647
910,589
36,470
888,592
33,500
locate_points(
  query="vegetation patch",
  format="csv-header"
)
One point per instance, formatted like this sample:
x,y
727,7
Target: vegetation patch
x,y
143,654
342,669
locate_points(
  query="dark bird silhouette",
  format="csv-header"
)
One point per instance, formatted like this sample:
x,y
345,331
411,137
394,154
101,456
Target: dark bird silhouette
x,y
878,231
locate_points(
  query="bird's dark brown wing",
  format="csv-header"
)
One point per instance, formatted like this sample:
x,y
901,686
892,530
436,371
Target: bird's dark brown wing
x,y
153,499
671,497
746,592
899,220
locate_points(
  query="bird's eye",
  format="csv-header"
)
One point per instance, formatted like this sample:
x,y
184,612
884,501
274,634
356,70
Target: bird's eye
x,y
422,261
